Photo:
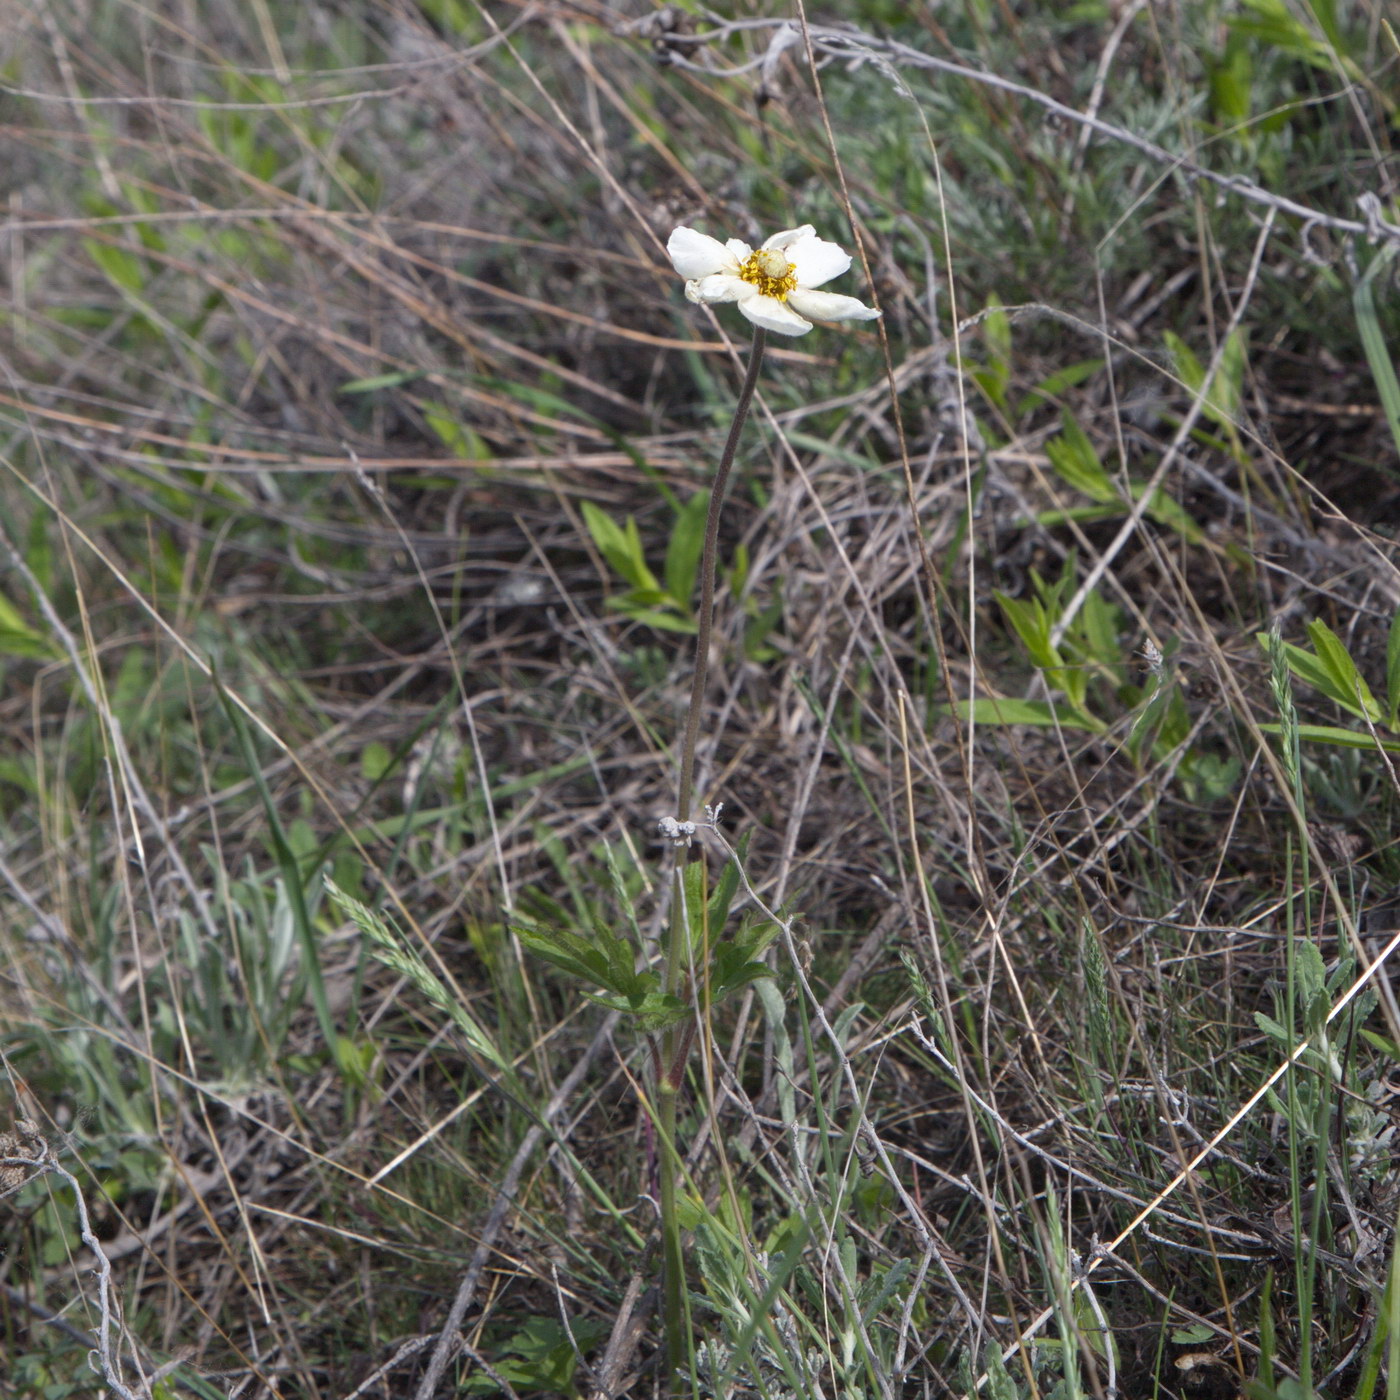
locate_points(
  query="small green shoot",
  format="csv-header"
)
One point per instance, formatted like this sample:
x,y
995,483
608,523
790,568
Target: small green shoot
x,y
665,607
1329,668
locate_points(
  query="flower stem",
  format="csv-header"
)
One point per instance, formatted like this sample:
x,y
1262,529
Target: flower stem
x,y
705,618
676,1040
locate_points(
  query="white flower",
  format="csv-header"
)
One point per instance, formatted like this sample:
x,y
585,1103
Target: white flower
x,y
773,287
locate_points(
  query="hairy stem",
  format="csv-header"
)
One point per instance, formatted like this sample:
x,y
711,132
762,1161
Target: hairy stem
x,y
705,618
676,1040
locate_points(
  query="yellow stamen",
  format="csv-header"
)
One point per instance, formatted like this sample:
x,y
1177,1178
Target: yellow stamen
x,y
770,272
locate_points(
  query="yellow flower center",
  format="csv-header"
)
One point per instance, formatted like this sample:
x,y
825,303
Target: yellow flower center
x,y
770,272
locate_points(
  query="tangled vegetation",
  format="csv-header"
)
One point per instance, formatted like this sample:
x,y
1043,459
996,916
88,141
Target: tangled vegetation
x,y
1028,1005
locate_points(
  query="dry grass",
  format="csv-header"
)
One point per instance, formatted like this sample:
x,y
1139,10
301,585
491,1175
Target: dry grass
x,y
322,327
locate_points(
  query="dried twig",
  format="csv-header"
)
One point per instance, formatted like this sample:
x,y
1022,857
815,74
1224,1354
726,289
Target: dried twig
x,y
450,1339
846,44
24,1155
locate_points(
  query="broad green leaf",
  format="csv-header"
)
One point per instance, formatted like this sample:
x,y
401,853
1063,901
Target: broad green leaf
x,y
1151,724
1189,369
1321,675
995,375
621,546
1028,618
695,879
1373,341
992,384
1227,385
1078,465
654,1010
593,960
1221,399
727,886
1053,385
684,548
381,381
996,711
1231,83
996,329
449,431
1330,734
1392,671
1310,969
122,268
1031,619
651,617
1381,1043
731,969
1271,22
1098,626
18,638
1348,681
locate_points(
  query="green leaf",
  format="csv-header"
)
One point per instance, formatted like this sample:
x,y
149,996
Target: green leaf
x,y
122,268
991,383
1032,624
608,963
1381,1043
621,546
1053,385
1231,83
1272,22
1392,672
654,1010
603,961
651,617
1332,671
996,327
1078,465
1341,738
1221,399
684,548
726,887
375,760
1032,620
1311,971
731,968
1189,369
995,710
18,638
1349,686
994,377
381,381
456,437
1377,351
1193,1336
290,866
1098,628
1227,385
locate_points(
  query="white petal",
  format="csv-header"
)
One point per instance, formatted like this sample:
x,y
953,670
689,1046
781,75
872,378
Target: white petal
x,y
741,250
828,306
789,235
772,315
718,287
816,260
698,255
